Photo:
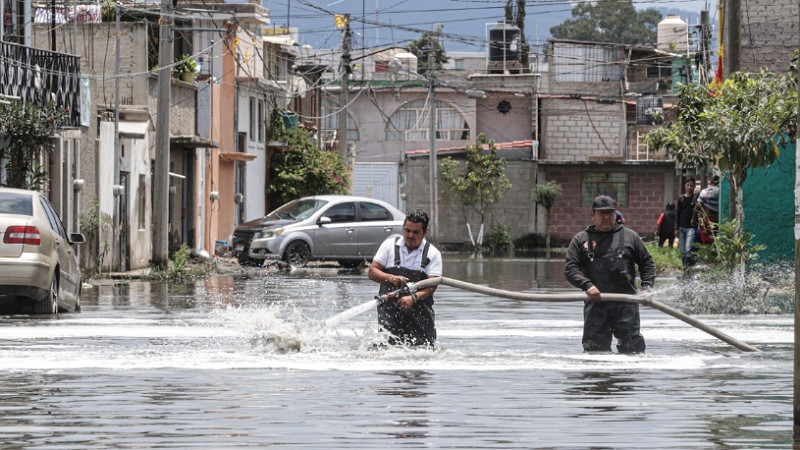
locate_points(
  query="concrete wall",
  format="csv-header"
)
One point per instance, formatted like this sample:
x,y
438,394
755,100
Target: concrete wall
x,y
182,106
575,130
769,34
512,126
514,209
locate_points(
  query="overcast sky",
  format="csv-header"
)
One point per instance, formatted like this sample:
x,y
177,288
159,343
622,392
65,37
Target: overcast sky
x,y
400,21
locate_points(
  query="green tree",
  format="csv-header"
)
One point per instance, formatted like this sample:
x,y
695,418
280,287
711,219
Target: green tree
x,y
545,195
609,21
733,127
305,169
420,49
479,183
27,130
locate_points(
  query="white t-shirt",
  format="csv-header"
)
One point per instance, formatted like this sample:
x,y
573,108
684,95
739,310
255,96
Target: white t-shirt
x,y
413,260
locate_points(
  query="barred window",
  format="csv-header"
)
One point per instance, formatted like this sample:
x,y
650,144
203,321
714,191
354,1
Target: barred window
x,y
410,123
613,184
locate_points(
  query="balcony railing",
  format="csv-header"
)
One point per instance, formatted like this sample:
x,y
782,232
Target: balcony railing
x,y
41,76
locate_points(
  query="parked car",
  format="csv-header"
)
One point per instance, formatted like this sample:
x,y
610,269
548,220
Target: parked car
x,y
38,264
343,228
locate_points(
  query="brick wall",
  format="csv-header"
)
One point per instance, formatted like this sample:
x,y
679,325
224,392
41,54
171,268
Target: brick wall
x,y
769,34
574,129
646,198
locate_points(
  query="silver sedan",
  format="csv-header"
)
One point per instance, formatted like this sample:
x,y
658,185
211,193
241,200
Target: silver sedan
x,y
38,264
346,229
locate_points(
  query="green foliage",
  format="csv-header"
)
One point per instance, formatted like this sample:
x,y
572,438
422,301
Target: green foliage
x,y
186,64
27,130
481,182
91,225
545,194
304,169
729,247
498,241
734,126
420,49
609,21
666,259
108,10
180,267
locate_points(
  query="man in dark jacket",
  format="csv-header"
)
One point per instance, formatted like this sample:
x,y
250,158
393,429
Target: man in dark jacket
x,y
601,259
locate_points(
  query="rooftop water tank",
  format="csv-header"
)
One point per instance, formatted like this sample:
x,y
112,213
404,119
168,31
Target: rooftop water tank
x,y
505,42
673,35
404,65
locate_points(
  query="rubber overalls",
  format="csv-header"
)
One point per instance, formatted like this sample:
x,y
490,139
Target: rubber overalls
x,y
415,325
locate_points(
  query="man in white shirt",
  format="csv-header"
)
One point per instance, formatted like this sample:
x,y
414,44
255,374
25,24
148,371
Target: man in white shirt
x,y
410,258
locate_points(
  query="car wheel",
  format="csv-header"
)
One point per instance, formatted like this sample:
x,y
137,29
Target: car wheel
x,y
50,304
350,263
297,254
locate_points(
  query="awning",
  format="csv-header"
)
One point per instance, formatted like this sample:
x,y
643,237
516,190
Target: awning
x,y
237,156
132,129
193,141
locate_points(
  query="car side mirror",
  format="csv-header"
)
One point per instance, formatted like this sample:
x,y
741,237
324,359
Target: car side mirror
x,y
324,220
76,238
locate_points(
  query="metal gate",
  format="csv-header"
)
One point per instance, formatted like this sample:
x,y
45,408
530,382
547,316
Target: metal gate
x,y
378,181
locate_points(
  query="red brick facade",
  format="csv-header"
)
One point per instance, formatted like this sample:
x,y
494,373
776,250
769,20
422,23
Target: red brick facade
x,y
648,192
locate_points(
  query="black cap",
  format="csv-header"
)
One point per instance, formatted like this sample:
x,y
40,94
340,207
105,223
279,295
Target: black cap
x,y
715,179
603,203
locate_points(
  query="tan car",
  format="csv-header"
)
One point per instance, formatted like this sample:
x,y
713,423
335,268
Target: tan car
x,y
38,264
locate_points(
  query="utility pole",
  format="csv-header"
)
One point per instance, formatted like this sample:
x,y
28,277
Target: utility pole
x,y
733,37
344,97
116,189
796,402
161,182
732,62
705,37
433,160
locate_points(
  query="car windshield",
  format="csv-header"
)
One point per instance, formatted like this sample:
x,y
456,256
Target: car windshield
x,y
297,209
14,203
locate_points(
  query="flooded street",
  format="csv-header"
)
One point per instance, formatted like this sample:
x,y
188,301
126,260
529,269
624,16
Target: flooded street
x,y
247,361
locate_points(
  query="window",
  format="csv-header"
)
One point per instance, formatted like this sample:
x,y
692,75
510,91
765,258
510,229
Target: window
x,y
261,119
659,70
330,122
343,212
252,136
372,211
141,197
410,123
52,217
381,66
613,184
13,203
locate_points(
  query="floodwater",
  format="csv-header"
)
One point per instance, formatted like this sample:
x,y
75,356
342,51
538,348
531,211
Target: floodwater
x,y
246,361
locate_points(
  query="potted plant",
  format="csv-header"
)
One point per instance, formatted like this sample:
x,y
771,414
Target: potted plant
x,y
186,68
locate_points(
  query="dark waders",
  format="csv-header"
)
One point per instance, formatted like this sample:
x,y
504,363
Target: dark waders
x,y
412,326
604,319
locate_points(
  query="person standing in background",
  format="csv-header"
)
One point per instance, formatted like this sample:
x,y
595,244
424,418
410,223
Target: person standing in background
x,y
685,231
